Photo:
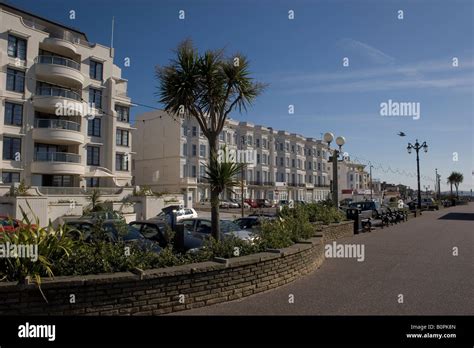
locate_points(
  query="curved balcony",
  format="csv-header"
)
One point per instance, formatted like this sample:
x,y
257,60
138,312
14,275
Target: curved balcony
x,y
58,131
57,163
59,43
59,70
59,101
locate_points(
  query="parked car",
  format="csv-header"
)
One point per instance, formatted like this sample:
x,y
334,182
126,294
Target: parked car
x,y
251,202
113,233
369,209
196,231
103,215
263,203
8,224
426,204
180,213
157,231
252,222
239,203
287,203
228,204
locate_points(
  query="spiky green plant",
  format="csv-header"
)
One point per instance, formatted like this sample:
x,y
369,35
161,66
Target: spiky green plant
x,y
207,87
51,243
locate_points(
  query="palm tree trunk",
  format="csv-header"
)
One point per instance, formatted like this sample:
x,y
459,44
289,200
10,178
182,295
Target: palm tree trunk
x,y
451,189
457,192
215,224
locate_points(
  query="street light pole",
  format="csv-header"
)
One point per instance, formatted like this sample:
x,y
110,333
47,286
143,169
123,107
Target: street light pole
x,y
328,138
417,148
370,168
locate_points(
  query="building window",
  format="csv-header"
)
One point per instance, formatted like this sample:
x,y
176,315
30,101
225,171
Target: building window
x,y
11,148
257,141
292,162
10,177
93,156
287,162
185,149
16,47
258,158
281,146
222,136
93,182
121,162
95,70
193,171
15,80
95,97
309,165
194,131
319,166
121,137
194,150
123,113
287,146
13,114
202,150
202,171
293,148
93,127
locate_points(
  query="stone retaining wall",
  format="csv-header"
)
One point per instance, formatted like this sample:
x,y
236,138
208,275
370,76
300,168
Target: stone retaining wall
x,y
170,289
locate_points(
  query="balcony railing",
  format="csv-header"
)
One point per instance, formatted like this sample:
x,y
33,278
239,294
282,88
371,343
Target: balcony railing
x,y
57,124
55,190
58,92
58,61
55,33
57,157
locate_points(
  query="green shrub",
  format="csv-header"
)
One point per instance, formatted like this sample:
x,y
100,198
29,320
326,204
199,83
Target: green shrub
x,y
52,244
324,213
274,235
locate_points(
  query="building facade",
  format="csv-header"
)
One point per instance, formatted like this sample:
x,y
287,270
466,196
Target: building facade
x,y
170,155
353,180
64,106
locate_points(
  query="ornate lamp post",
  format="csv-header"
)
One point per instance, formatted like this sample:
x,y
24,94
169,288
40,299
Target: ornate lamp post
x,y
328,138
417,148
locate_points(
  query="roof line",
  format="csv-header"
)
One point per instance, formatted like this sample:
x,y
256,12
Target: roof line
x,y
4,4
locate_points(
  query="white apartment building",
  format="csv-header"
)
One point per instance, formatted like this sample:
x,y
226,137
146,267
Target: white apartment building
x,y
353,180
170,156
64,106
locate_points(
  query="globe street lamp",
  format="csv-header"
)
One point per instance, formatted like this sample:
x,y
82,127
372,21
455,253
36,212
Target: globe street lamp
x,y
417,147
328,138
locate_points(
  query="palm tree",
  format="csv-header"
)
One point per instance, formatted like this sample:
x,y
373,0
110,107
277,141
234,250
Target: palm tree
x,y
207,87
455,178
222,172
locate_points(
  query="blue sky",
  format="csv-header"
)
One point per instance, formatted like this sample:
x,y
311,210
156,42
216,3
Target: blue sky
x,y
407,60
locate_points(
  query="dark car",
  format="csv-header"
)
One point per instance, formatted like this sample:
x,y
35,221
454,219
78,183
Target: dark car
x,y
426,204
263,203
157,231
113,232
253,221
196,231
369,209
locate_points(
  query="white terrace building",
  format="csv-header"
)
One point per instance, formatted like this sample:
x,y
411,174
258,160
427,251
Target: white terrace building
x,y
170,156
64,106
353,180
